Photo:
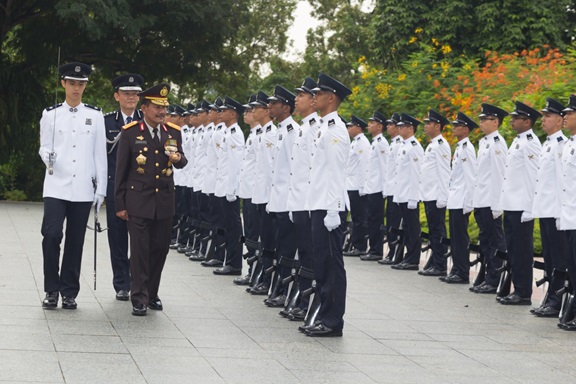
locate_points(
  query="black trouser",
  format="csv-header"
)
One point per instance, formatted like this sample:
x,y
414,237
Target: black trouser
x,y
554,250
358,211
393,218
329,270
195,214
205,215
180,210
412,239
436,218
519,240
491,238
267,239
218,221
233,228
375,217
67,282
571,236
149,245
186,212
459,242
117,242
251,223
285,238
303,232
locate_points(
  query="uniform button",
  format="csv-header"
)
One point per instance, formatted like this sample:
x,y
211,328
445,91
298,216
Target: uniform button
x,y
157,164
156,189
156,151
73,175
73,161
73,146
132,187
157,176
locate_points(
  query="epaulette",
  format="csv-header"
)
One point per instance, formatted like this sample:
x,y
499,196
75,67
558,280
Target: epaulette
x,y
269,128
109,113
440,141
379,139
289,127
331,122
312,121
560,138
130,125
92,107
496,138
233,130
529,136
54,107
414,142
465,144
259,131
172,125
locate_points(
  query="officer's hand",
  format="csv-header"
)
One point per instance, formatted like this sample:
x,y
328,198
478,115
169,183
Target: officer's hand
x,y
290,216
331,220
441,204
558,224
175,157
46,158
98,200
526,216
496,214
231,198
412,204
267,209
122,214
361,192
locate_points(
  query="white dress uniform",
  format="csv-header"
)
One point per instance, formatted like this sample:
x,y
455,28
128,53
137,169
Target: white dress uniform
x,y
408,171
547,190
520,174
180,174
327,178
357,164
191,155
492,152
213,157
80,147
248,169
568,183
462,177
199,157
264,164
229,162
435,171
301,162
391,164
203,161
280,179
375,171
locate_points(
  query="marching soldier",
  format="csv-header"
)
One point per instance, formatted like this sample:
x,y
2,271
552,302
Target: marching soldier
x,y
356,168
73,147
374,186
547,207
461,199
520,175
492,151
434,190
126,88
144,193
407,191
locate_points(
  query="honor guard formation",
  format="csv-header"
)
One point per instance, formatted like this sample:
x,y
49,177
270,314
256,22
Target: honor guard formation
x,y
300,194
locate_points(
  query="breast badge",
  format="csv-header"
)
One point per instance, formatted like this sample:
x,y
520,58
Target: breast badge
x,y
141,159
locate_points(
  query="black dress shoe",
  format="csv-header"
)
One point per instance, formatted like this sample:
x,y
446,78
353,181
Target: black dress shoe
x,y
321,330
484,288
514,299
304,328
569,326
174,245
197,257
228,270
278,301
386,261
432,272
242,280
261,289
405,267
371,257
546,311
139,310
192,252
122,295
354,253
69,303
50,301
156,304
455,279
297,314
212,263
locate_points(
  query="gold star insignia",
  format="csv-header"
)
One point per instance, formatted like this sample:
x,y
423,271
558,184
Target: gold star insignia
x,y
140,137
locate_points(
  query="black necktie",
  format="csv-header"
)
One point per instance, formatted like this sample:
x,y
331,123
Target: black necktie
x,y
128,119
156,138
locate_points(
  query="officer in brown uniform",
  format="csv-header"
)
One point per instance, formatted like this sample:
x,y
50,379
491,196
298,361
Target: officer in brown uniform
x,y
144,193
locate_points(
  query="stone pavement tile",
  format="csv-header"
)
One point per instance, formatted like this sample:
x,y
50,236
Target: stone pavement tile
x,y
330,377
296,364
196,368
161,347
254,353
379,326
360,346
17,296
175,378
23,312
158,326
303,345
392,369
29,366
192,312
84,312
251,370
83,343
479,341
78,367
419,347
82,327
12,338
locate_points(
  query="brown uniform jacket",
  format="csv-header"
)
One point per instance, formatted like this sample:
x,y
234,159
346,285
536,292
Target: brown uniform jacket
x,y
146,189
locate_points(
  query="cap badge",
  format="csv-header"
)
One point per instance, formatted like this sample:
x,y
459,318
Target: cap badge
x,y
163,91
130,79
77,68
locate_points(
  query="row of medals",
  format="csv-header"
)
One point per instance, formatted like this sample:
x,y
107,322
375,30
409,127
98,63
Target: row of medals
x,y
141,160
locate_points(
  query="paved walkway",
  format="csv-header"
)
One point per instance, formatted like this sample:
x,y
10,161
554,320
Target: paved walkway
x,y
400,328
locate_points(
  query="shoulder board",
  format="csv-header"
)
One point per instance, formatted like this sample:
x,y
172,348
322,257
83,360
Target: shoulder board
x,y
233,130
465,144
92,107
172,125
440,141
130,125
269,128
139,114
414,142
289,127
379,139
560,138
496,139
331,122
258,131
109,114
312,121
54,107
529,136
185,129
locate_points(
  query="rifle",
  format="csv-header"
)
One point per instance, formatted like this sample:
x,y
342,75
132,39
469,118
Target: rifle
x,y
211,246
426,248
52,154
505,282
347,246
481,275
568,302
398,243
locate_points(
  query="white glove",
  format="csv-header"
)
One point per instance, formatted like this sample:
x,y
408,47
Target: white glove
x,y
46,158
98,200
290,216
332,220
361,192
441,204
231,198
467,208
558,224
526,216
267,209
496,214
412,204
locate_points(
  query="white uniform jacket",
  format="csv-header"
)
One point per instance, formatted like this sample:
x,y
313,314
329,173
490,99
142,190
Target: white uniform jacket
x,y
436,170
462,176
